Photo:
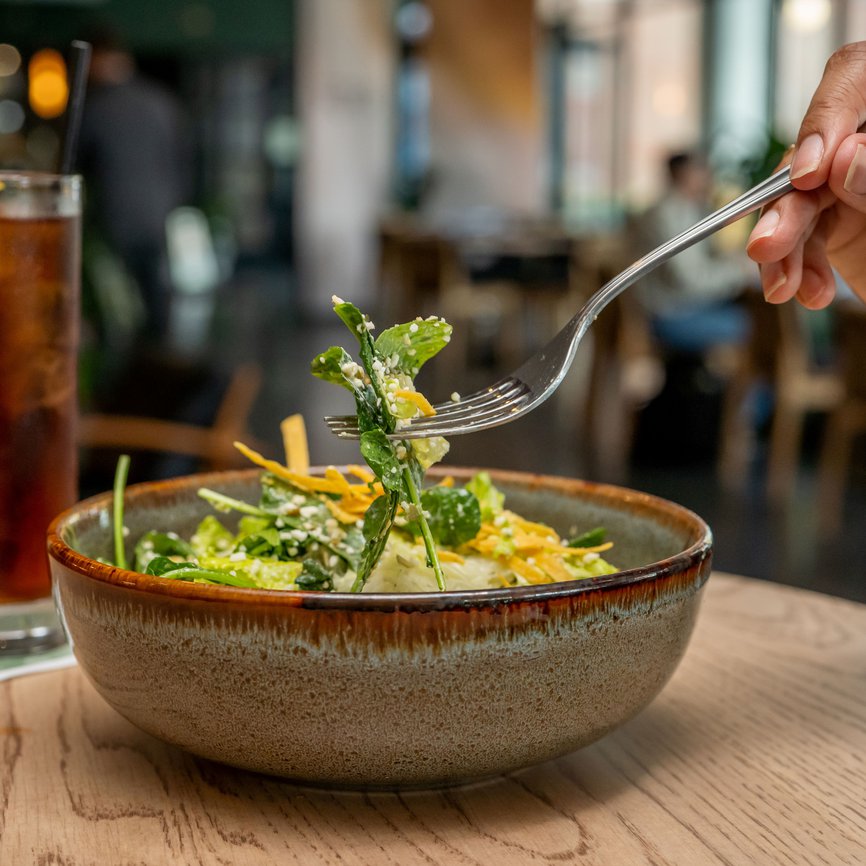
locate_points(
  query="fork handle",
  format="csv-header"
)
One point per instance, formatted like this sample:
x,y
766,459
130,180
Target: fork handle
x,y
548,367
768,190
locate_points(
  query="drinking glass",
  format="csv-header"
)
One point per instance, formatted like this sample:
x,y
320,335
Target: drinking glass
x,y
40,263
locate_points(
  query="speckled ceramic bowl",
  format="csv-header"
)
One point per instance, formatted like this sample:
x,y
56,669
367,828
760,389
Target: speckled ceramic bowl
x,y
379,691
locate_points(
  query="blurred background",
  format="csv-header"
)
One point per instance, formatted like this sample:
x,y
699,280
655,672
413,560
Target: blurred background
x,y
490,162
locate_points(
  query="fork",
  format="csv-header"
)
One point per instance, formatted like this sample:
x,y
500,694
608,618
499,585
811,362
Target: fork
x,y
532,383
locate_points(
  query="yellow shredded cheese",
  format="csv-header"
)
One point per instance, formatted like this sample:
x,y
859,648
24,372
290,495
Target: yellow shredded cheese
x,y
341,514
418,400
362,473
527,570
295,443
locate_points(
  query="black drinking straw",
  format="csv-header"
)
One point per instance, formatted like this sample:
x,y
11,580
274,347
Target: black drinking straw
x,y
79,62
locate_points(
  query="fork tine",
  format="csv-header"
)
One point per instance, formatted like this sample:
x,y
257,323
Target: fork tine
x,y
502,390
505,389
513,396
507,403
501,404
491,418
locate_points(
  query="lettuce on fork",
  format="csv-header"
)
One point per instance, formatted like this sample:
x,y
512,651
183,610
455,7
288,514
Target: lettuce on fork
x,y
385,398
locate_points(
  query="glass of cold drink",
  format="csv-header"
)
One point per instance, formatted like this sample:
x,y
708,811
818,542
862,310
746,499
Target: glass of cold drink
x,y
40,263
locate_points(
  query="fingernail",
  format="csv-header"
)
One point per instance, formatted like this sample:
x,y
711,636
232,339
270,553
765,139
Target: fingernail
x,y
808,156
775,286
765,226
855,180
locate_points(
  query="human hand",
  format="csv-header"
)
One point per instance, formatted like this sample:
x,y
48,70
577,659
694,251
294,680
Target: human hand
x,y
822,224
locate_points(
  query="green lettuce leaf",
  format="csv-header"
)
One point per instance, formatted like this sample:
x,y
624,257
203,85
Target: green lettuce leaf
x,y
489,497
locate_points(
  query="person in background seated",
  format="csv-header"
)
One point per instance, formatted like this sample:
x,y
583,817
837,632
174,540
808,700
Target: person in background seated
x,y
691,298
821,226
133,154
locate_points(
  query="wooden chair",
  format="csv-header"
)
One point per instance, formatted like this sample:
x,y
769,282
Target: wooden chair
x,y
414,264
848,419
779,355
626,370
212,446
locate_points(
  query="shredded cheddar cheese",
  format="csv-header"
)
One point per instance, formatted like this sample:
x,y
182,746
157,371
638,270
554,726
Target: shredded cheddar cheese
x,y
295,443
418,400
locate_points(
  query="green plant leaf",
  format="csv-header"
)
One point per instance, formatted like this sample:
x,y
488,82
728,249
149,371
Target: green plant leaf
x,y
377,525
211,537
453,515
162,566
489,497
409,346
330,366
154,544
380,453
592,538
314,577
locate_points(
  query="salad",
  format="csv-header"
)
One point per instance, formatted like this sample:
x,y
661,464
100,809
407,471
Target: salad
x,y
373,528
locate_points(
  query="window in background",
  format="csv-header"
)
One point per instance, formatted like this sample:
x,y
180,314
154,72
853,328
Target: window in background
x,y
663,90
591,153
625,89
739,63
806,36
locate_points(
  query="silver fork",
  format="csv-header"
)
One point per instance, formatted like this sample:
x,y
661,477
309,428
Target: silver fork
x,y
533,382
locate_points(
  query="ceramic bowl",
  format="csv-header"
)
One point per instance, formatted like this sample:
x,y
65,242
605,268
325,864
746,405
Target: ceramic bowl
x,y
384,691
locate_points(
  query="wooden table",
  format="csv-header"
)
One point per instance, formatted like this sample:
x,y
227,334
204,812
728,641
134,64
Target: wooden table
x,y
755,753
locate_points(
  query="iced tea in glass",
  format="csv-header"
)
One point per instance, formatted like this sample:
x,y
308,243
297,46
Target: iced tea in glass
x,y
40,252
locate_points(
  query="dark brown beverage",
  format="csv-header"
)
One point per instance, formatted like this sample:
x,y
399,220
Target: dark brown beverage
x,y
39,327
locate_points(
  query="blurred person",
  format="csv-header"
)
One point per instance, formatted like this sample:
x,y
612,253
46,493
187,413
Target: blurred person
x,y
691,299
133,155
821,226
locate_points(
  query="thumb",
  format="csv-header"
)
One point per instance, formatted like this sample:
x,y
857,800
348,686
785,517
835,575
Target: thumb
x,y
837,110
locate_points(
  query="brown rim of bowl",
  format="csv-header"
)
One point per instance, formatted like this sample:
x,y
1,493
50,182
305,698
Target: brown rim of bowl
x,y
693,555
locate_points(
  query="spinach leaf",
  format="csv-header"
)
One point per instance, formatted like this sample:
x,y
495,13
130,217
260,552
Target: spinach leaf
x,y
592,538
409,346
330,366
453,514
381,455
351,547
376,517
162,566
264,544
154,544
377,526
372,401
314,577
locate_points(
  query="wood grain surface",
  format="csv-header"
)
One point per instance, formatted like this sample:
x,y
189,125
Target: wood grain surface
x,y
754,754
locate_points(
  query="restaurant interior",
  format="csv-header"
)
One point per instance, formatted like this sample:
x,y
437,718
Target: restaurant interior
x,y
488,162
